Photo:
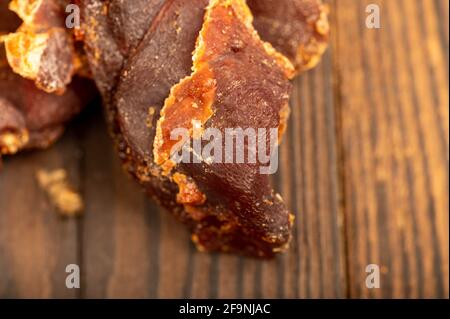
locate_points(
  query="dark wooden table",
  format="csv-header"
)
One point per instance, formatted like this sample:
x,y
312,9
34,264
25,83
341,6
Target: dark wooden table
x,y
364,166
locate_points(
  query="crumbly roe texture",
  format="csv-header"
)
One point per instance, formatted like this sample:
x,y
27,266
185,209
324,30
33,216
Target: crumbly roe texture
x,y
193,98
189,193
42,49
62,195
297,28
310,54
12,142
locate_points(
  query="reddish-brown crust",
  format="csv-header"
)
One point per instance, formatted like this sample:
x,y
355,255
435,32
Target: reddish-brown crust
x,y
190,100
146,80
188,194
31,118
240,213
140,54
42,49
111,30
297,28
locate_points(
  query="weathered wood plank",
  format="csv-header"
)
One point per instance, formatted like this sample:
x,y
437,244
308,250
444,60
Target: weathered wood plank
x,y
314,267
394,138
364,165
36,243
118,232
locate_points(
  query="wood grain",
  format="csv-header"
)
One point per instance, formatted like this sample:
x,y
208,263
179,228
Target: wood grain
x,y
394,141
36,244
363,165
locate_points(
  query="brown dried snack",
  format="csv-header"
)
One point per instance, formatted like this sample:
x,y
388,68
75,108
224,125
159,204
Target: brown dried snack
x,y
111,30
229,207
162,59
61,193
42,49
29,117
140,54
241,212
297,28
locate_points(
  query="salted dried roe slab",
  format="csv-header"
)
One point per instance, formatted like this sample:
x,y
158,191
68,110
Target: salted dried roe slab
x,y
111,30
162,59
249,84
43,49
248,218
297,28
228,207
30,117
